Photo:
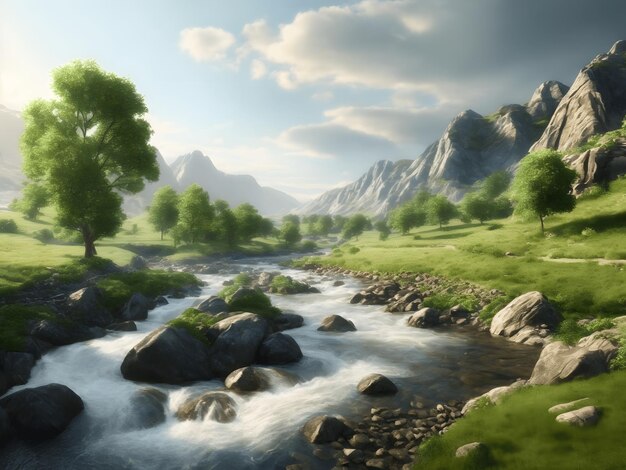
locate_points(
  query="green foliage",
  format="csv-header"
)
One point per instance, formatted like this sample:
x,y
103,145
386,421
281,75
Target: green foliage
x,y
593,192
489,310
8,226
44,235
444,300
225,224
163,212
194,215
383,230
406,217
570,331
287,285
15,321
440,210
34,198
355,226
291,218
240,280
290,233
339,221
195,322
86,146
353,250
477,206
543,185
323,225
257,302
308,245
495,184
249,222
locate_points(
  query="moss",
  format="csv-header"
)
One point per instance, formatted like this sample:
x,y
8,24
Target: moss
x,y
195,322
15,321
286,285
258,303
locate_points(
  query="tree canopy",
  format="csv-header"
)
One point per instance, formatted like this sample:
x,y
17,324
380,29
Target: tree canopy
x,y
195,214
355,226
87,146
163,212
543,186
440,210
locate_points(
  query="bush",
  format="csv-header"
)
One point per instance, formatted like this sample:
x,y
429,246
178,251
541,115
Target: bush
x,y
353,250
8,226
286,285
44,235
195,322
308,245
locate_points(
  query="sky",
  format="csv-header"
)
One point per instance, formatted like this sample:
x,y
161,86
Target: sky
x,y
306,95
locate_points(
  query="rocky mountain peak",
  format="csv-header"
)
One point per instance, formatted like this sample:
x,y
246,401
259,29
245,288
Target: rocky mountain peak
x,y
545,99
619,47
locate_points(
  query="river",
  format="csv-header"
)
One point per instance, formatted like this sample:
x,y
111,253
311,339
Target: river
x,y
434,365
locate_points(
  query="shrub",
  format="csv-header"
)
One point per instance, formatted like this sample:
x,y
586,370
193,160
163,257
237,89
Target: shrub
x,y
354,250
44,235
8,226
308,245
286,285
195,322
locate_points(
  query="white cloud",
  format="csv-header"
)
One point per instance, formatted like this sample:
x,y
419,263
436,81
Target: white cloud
x,y
258,69
206,44
323,95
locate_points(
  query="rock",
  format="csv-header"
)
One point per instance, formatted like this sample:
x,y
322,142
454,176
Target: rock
x,y
240,337
87,306
246,379
288,321
137,307
598,165
337,324
360,441
279,348
606,341
213,305
376,384
160,301
354,455
338,283
61,334
168,355
471,449
424,318
545,99
458,312
382,464
123,326
5,427
138,263
561,408
265,279
561,363
42,412
528,310
217,406
17,367
324,429
494,396
586,416
147,408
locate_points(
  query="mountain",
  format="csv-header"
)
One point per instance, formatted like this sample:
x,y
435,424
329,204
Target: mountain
x,y
11,127
235,189
472,147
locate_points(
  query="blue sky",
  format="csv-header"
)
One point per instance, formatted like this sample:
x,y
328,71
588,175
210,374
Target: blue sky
x,y
306,95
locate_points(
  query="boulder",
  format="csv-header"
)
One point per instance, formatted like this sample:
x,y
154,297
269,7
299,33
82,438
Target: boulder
x,y
606,341
338,283
137,307
216,406
325,429
168,355
559,362
528,311
87,306
246,379
288,321
212,305
424,318
160,301
471,449
265,279
337,324
5,427
493,396
458,312
42,412
17,367
123,326
586,416
237,342
147,408
376,384
138,263
279,348
563,407
61,334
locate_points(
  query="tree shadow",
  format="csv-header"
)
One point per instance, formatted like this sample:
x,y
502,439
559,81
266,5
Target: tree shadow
x,y
447,236
450,228
599,223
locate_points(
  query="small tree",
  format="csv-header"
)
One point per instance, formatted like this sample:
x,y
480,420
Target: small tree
x,y
495,184
440,210
293,218
195,214
225,223
163,212
338,222
88,145
383,230
355,226
323,225
249,221
406,217
34,198
477,206
290,233
543,186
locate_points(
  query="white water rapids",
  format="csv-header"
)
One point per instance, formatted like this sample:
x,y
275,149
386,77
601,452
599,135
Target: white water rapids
x,y
435,365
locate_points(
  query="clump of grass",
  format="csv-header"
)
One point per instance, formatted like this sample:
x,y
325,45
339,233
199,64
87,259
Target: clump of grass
x,y
443,301
15,321
287,285
195,322
255,302
570,330
497,304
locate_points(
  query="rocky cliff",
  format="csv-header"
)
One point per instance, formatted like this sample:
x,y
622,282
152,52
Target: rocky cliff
x,y
471,148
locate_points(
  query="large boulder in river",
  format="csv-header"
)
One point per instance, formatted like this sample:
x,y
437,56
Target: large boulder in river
x,y
424,318
279,348
288,321
559,362
216,405
17,367
5,427
237,342
376,384
87,306
337,324
42,412
325,429
147,408
523,315
137,307
212,305
246,379
168,355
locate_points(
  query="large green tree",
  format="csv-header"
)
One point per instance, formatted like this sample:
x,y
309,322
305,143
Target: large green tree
x,y
249,221
87,146
163,212
477,206
290,233
225,223
195,214
543,186
440,210
355,226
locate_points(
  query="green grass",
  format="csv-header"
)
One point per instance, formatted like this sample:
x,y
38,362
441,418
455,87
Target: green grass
x,y
474,253
118,288
444,301
286,285
570,331
521,434
257,302
15,322
195,322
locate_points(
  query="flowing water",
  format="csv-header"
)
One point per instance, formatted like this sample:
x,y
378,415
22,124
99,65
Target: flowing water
x,y
434,365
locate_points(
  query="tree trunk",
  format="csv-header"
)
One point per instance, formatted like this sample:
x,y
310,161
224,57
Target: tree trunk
x,y
161,234
543,232
89,241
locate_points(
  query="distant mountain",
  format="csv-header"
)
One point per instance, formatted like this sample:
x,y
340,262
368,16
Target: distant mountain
x,y
235,189
471,148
